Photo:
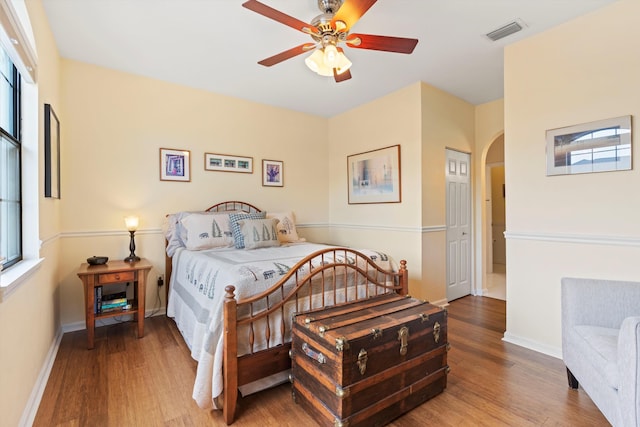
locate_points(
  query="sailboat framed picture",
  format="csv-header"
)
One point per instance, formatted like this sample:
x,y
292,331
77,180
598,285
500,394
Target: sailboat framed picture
x,y
374,176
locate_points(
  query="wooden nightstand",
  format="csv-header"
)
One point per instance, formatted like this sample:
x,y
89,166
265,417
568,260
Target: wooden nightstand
x,y
108,274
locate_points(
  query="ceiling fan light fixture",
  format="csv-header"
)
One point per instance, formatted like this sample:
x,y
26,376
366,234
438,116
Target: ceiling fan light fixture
x,y
316,62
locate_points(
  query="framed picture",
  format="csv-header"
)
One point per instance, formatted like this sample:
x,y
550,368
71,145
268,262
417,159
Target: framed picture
x,y
599,146
226,163
175,165
51,153
374,176
272,173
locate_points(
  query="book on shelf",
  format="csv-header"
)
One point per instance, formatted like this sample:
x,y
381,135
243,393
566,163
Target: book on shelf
x,y
116,308
104,303
114,301
97,300
114,296
119,304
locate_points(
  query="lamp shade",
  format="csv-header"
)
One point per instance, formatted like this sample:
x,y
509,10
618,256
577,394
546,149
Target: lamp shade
x,y
342,63
315,60
131,222
330,56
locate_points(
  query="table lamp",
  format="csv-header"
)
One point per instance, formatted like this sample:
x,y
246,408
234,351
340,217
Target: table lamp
x,y
132,225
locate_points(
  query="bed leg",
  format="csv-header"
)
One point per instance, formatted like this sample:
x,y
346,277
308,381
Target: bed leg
x,y
229,406
167,277
230,363
404,278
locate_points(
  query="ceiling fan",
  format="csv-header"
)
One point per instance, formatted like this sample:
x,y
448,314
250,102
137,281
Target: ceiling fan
x,y
328,30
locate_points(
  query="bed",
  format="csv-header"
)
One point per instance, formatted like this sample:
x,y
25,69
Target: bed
x,y
237,275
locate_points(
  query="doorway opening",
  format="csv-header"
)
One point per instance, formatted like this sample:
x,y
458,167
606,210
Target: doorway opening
x,y
495,191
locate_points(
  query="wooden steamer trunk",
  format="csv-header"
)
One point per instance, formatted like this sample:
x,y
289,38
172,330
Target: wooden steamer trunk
x,y
366,363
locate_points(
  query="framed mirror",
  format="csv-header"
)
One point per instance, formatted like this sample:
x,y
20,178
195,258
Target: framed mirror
x,y
51,153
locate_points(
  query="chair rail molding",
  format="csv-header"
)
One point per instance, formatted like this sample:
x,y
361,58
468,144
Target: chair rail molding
x,y
590,239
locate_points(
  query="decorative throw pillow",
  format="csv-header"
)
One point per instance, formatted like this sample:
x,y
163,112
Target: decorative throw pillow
x,y
259,233
286,227
238,239
206,231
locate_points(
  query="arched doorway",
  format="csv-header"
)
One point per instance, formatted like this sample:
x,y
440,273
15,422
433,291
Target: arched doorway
x,y
494,283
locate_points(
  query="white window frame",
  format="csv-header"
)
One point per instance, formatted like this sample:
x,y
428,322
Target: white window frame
x,y
18,45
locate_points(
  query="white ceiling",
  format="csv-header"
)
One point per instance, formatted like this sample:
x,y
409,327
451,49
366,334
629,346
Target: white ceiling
x,y
215,45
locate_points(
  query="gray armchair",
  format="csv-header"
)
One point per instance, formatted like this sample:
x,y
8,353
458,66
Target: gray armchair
x,y
601,345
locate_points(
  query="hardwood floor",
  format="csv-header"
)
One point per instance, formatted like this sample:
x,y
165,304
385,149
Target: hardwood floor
x,y
126,381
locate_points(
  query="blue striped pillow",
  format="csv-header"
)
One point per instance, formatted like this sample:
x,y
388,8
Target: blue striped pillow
x,y
238,239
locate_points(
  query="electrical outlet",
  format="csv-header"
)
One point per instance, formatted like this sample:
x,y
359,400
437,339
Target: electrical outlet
x,y
160,280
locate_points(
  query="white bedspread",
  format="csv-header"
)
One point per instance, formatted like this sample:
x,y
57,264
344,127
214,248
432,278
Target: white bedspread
x,y
197,294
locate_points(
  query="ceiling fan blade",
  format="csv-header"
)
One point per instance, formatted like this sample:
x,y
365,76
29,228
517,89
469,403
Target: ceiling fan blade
x,y
287,54
276,15
341,77
384,43
350,12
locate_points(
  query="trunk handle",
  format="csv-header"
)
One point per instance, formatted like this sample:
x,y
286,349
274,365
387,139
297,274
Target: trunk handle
x,y
315,355
403,337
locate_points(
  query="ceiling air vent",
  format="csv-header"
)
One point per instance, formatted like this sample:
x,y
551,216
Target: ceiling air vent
x,y
507,30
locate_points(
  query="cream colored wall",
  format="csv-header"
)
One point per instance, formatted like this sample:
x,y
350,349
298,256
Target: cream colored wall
x,y
30,318
424,121
393,228
447,122
113,127
580,225
495,154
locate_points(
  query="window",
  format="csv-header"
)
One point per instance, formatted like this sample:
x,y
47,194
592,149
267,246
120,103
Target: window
x,y
10,163
603,146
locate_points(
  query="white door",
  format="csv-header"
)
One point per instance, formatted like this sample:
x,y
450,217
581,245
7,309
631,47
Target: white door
x,y
458,172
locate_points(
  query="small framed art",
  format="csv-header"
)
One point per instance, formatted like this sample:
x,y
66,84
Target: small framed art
x,y
374,176
175,165
272,173
227,163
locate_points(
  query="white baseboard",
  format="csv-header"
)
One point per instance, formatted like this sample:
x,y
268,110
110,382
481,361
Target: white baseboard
x,y
30,411
533,345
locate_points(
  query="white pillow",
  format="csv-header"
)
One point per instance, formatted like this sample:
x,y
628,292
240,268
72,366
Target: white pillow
x,y
206,231
259,233
286,227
